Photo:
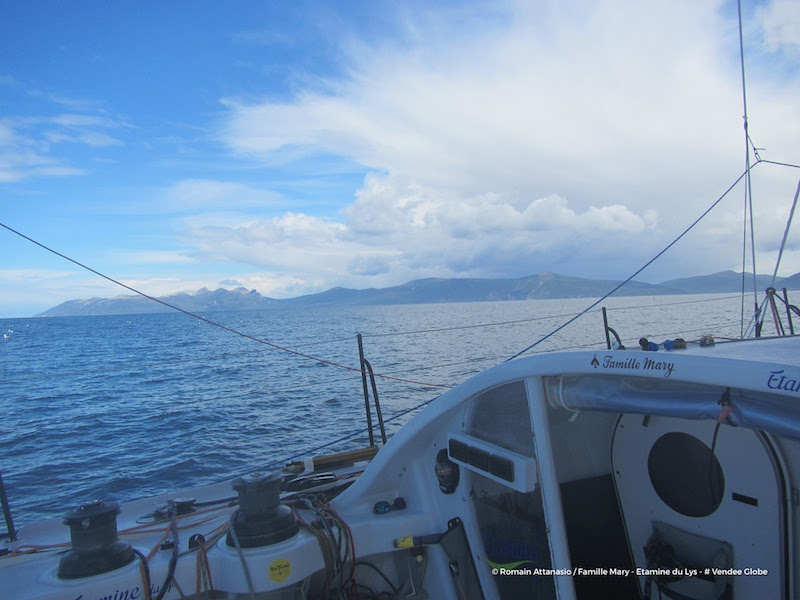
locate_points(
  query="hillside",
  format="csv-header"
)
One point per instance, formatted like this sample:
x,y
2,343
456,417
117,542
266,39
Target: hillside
x,y
419,291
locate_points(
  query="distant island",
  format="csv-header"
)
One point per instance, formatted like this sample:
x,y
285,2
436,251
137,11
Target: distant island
x,y
419,291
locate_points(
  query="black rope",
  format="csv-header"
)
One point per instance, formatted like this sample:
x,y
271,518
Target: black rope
x,y
173,561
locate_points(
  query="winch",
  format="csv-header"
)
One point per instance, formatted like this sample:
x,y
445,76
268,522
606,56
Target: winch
x,y
261,519
96,547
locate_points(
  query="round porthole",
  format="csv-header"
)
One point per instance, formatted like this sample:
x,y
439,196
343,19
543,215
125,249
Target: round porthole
x,y
685,475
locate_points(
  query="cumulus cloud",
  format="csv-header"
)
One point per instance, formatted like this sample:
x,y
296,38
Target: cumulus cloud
x,y
396,231
566,136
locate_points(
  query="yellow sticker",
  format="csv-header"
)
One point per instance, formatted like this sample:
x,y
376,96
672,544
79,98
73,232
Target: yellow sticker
x,y
280,569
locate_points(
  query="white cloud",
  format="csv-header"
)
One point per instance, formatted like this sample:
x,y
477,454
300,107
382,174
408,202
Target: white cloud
x,y
24,292
202,194
497,140
152,257
27,275
197,202
780,23
27,144
536,100
563,135
396,231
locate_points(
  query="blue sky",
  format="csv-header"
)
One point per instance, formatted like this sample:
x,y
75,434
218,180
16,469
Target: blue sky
x,y
290,147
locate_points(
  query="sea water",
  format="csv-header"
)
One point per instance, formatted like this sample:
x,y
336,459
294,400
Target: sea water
x,y
122,407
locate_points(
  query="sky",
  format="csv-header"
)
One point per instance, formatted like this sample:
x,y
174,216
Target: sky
x,y
291,147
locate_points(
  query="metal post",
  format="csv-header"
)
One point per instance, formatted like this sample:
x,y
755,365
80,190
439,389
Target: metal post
x,y
366,391
612,332
788,310
775,316
605,328
378,412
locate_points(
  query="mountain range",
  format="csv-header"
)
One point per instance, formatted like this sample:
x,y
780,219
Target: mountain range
x,y
420,291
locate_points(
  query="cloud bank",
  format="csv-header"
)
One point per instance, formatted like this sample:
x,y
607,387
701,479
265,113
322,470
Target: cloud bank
x,y
386,142
567,137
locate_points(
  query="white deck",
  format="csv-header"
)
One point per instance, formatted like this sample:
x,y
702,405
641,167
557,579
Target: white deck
x,y
566,434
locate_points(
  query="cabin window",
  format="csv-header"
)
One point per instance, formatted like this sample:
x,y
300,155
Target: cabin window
x,y
501,416
512,524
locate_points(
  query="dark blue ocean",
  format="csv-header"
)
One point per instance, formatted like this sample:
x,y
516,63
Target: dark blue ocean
x,y
124,407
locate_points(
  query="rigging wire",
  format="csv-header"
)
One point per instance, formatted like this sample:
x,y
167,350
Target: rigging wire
x,y
785,235
203,319
402,413
489,359
386,376
630,278
477,365
529,319
748,189
779,164
353,434
754,325
748,206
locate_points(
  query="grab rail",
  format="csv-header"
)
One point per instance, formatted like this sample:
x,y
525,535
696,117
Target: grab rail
x,y
610,330
365,368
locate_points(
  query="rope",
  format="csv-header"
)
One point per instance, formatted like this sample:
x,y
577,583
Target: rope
x,y
461,327
324,545
754,321
245,567
173,561
144,571
492,360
